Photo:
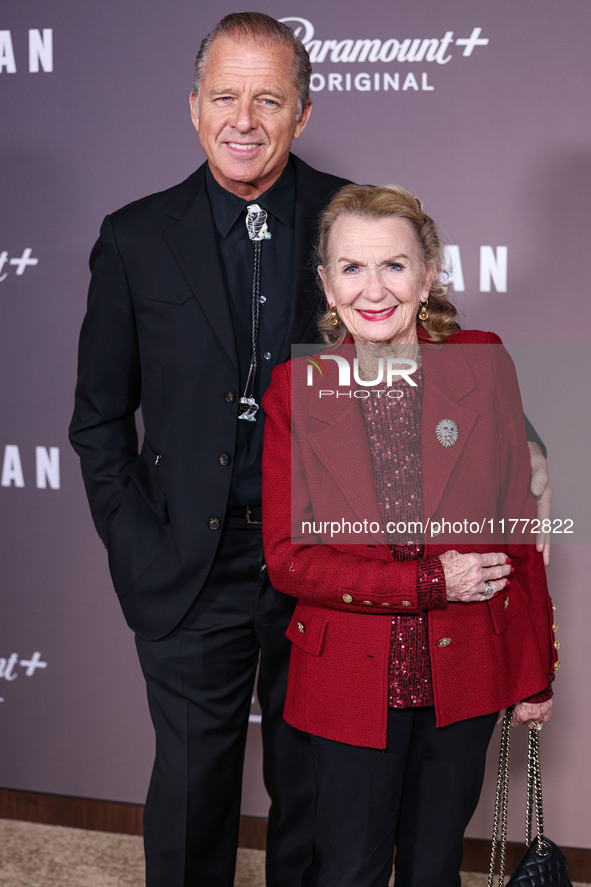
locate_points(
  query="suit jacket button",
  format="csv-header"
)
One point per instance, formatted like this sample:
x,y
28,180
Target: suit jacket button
x,y
406,604
301,628
386,604
347,599
214,523
444,642
224,459
367,603
230,396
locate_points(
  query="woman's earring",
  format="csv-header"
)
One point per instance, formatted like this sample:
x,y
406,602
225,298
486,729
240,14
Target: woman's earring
x,y
334,317
423,313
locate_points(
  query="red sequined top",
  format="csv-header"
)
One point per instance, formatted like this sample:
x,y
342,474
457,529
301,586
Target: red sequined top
x,y
394,432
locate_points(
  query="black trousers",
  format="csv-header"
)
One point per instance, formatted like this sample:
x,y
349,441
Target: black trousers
x,y
418,795
200,681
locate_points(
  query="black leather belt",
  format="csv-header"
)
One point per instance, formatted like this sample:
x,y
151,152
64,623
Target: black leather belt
x,y
250,514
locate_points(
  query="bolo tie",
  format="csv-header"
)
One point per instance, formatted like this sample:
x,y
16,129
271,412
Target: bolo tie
x,y
256,225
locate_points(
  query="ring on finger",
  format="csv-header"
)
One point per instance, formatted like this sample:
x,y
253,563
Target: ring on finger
x,y
537,725
488,589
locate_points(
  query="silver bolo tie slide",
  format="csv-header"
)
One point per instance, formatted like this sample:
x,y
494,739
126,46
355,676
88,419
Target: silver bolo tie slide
x,y
256,225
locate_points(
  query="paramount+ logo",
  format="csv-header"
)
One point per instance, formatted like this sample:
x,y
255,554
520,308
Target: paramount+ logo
x,y
392,51
387,371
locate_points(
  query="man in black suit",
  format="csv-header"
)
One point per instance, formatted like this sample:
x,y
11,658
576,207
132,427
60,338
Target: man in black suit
x,y
169,329
179,325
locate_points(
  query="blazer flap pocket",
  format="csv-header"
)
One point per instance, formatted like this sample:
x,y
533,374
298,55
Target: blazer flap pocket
x,y
167,295
306,631
507,604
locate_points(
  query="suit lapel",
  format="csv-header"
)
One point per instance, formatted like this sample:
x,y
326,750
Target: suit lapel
x,y
448,379
342,448
192,241
312,195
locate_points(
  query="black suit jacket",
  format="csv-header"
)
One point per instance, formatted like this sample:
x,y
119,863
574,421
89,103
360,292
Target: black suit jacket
x,y
158,335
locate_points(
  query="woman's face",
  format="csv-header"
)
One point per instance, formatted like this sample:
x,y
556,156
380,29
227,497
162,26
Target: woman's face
x,y
375,277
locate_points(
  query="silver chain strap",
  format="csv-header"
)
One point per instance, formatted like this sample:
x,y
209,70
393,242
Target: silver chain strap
x,y
534,795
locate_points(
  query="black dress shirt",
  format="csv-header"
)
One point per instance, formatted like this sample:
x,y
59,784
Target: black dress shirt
x,y
237,254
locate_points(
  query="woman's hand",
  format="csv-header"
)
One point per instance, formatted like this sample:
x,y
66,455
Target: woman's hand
x,y
474,577
533,714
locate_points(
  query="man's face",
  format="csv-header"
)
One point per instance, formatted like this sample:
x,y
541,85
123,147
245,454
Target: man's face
x,y
246,114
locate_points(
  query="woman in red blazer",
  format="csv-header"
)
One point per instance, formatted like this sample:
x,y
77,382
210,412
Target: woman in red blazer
x,y
396,481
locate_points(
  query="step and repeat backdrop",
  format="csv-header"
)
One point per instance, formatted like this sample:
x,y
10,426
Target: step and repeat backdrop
x,y
481,109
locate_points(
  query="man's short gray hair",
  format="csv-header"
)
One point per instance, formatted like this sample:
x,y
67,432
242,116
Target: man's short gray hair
x,y
258,28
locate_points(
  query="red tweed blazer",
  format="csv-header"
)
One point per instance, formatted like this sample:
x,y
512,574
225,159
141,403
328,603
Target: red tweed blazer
x,y
317,469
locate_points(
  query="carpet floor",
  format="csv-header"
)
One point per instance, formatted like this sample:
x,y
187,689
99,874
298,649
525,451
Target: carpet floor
x,y
34,855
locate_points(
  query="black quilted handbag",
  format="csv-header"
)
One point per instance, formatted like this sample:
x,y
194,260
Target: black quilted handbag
x,y
543,864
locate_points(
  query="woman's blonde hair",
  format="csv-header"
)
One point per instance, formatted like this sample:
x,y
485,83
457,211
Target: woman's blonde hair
x,y
381,202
